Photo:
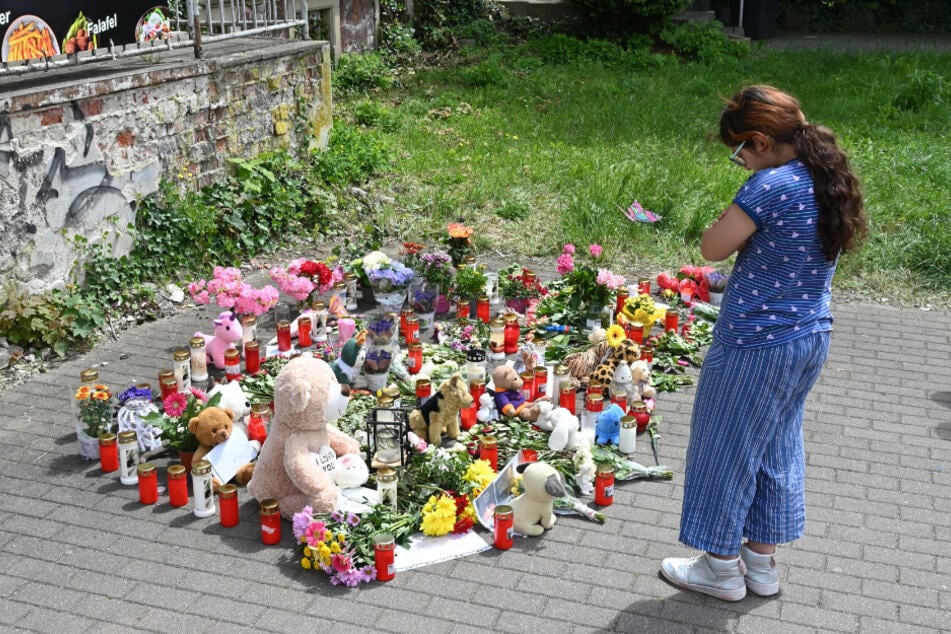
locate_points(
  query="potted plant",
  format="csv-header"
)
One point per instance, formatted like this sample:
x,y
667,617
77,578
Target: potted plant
x,y
434,274
387,277
518,286
94,417
467,285
178,409
716,283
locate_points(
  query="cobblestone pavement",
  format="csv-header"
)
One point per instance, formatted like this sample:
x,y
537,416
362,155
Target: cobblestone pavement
x,y
79,553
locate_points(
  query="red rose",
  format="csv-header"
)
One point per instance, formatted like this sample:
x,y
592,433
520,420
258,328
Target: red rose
x,y
324,274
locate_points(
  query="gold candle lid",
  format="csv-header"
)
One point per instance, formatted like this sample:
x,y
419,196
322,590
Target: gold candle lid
x,y
126,437
176,471
107,439
146,468
627,422
89,375
270,507
226,491
202,467
181,355
386,475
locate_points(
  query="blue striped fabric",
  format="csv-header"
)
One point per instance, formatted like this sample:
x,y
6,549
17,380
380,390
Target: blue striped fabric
x,y
745,463
780,287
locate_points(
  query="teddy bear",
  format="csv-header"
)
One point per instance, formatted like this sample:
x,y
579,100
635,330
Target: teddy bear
x,y
227,331
487,411
351,471
641,382
533,509
440,412
307,399
213,426
608,427
562,424
509,399
233,398
347,366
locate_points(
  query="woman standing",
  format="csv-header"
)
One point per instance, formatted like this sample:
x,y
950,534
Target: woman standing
x,y
799,210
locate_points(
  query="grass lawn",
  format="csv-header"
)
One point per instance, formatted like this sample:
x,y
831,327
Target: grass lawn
x,y
535,151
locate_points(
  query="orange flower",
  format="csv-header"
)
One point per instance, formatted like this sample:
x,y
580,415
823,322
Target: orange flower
x,y
458,230
101,396
101,387
83,393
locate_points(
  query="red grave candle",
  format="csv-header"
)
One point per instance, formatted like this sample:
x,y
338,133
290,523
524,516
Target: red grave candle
x,y
384,551
232,364
604,485
489,450
504,523
108,452
270,522
177,485
482,309
148,483
670,320
252,357
567,399
303,332
228,503
283,335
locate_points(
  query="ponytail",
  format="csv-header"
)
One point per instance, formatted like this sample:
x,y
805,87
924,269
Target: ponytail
x,y
842,224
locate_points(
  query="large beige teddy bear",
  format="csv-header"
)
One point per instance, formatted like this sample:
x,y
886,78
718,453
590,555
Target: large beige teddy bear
x,y
297,463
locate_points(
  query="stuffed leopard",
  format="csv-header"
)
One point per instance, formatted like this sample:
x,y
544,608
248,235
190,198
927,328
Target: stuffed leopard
x,y
627,350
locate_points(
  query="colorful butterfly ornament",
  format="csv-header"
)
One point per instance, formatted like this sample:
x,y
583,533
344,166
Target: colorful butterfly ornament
x,y
636,213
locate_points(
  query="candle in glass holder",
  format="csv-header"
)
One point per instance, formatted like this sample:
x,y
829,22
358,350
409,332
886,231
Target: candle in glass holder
x,y
635,332
647,353
177,485
567,398
619,299
384,551
476,390
489,450
528,384
644,286
467,416
283,335
252,357
321,314
258,421
404,316
346,327
168,385
198,359
475,365
270,522
108,452
462,309
511,333
414,357
386,486
529,455
497,339
424,389
482,309
202,487
671,319
604,485
412,329
504,526
594,387
640,414
628,440
148,483
228,501
303,332
232,364
619,399
593,406
539,382
129,456
181,367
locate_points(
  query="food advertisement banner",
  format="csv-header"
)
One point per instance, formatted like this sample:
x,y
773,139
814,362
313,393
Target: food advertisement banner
x,y
34,30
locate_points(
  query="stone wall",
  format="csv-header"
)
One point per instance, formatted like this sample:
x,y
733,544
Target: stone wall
x,y
79,147
359,20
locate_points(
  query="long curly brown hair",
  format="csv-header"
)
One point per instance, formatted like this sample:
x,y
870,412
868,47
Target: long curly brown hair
x,y
842,222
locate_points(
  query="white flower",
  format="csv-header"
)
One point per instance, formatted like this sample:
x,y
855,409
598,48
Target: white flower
x,y
375,260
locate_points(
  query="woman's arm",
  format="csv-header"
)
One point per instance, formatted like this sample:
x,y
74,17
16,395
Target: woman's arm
x,y
727,234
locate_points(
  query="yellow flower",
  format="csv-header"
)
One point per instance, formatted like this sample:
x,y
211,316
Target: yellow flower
x,y
439,516
83,393
335,548
324,551
479,474
328,536
516,488
308,552
100,387
342,538
305,563
615,335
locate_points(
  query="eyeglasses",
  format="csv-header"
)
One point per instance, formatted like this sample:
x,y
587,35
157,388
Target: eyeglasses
x,y
735,158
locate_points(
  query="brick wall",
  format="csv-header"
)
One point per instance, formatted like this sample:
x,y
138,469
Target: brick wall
x,y
78,148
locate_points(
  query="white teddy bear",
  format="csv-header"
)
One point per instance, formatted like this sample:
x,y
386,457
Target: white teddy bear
x,y
562,424
487,410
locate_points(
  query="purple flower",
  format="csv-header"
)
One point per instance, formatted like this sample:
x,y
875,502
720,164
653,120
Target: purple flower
x,y
301,521
336,516
135,392
353,519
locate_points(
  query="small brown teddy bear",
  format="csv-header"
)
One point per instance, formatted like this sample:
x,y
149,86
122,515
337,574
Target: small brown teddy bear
x,y
509,400
212,427
441,412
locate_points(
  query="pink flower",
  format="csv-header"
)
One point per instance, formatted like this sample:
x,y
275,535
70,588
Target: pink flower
x,y
596,251
175,404
609,279
566,263
202,298
568,248
199,394
315,533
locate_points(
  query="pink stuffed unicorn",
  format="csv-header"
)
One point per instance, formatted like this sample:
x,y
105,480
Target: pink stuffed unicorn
x,y
227,332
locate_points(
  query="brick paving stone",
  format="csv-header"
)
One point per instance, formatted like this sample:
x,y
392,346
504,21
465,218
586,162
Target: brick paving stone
x,y
872,625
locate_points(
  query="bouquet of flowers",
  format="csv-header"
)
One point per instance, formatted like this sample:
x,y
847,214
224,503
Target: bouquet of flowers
x,y
436,268
229,291
584,289
641,309
459,242
178,409
384,273
326,544
422,300
303,278
447,512
411,254
95,409
516,282
468,284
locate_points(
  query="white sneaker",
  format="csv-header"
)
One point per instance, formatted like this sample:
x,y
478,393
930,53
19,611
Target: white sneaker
x,y
720,578
762,578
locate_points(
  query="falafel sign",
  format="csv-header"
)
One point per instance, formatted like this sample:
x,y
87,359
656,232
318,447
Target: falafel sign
x,y
32,32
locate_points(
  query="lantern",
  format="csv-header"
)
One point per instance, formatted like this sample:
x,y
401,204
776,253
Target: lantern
x,y
387,442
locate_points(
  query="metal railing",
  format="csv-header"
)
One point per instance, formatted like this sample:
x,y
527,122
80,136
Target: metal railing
x,y
196,23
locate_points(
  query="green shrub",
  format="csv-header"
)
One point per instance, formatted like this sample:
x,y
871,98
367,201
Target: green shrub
x,y
703,41
374,115
440,23
618,16
352,156
361,73
487,73
59,319
923,88
559,48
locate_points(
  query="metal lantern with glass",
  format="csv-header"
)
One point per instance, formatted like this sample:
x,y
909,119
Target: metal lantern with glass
x,y
387,442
